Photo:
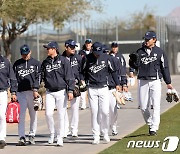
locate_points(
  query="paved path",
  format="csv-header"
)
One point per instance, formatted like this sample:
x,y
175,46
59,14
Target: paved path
x,y
129,119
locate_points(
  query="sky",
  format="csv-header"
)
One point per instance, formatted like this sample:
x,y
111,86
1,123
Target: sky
x,y
124,8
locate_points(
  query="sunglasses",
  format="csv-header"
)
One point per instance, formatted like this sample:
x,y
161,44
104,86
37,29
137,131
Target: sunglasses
x,y
71,47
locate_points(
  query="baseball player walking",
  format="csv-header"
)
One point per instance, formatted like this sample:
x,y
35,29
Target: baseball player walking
x,y
96,67
152,65
59,82
75,61
6,75
86,49
27,71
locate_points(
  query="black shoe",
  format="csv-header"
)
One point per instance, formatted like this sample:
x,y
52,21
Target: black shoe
x,y
114,133
152,133
2,144
22,141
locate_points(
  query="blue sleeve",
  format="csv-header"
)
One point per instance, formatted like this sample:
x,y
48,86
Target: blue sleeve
x,y
69,75
113,70
12,78
165,69
37,80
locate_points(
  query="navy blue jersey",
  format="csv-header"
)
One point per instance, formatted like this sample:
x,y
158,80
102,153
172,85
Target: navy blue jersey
x,y
153,66
27,73
116,64
96,70
121,63
57,74
75,61
7,76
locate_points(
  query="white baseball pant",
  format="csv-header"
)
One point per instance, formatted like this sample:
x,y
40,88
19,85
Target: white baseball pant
x,y
83,99
150,89
113,114
74,117
59,100
25,99
3,106
99,105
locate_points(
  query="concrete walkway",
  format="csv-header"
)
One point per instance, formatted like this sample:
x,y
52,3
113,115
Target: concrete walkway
x,y
129,119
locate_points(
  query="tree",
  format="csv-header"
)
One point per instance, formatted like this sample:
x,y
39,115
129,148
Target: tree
x,y
143,20
17,15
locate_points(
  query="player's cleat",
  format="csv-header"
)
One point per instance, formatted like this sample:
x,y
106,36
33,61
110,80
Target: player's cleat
x,y
169,96
106,139
51,139
114,133
175,95
152,133
60,142
2,144
74,136
31,139
22,141
96,141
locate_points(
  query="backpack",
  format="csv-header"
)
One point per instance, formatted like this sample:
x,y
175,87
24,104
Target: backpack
x,y
12,112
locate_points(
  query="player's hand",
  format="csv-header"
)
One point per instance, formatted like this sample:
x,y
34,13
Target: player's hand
x,y
169,86
118,88
125,88
13,97
35,94
70,96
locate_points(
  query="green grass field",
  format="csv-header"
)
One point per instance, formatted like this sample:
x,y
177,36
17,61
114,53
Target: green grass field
x,y
170,126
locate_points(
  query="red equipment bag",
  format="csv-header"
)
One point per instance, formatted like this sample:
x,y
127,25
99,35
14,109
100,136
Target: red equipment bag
x,y
12,112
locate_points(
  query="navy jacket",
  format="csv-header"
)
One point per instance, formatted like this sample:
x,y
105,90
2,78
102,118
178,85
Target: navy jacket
x,y
57,74
75,61
153,66
116,63
7,76
96,70
27,73
122,68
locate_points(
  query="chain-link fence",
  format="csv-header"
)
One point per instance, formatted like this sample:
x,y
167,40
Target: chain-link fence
x,y
129,40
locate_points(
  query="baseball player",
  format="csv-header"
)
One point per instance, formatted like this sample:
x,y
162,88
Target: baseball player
x,y
122,72
96,66
7,78
27,71
59,82
85,51
75,61
152,65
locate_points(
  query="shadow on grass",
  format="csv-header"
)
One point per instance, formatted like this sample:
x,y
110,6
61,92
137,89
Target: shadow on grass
x,y
139,135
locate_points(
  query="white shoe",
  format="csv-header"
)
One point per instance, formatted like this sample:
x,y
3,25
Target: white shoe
x,y
96,141
60,142
51,139
106,139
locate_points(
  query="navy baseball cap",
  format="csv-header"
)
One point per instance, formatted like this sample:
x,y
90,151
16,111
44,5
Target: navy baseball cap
x,y
53,45
24,50
88,41
70,43
149,35
105,48
97,48
114,44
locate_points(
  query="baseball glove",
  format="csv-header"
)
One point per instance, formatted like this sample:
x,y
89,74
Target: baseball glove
x,y
76,91
134,60
171,95
38,103
119,97
82,86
